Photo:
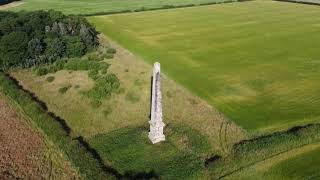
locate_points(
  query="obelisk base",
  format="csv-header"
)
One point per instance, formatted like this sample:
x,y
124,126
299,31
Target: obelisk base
x,y
155,139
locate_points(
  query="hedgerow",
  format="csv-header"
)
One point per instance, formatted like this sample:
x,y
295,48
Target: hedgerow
x,y
251,151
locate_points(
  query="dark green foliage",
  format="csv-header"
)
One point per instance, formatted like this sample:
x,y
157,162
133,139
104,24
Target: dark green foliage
x,y
29,39
75,46
83,64
93,74
56,48
13,48
111,51
41,71
64,89
104,87
108,56
104,71
88,166
50,78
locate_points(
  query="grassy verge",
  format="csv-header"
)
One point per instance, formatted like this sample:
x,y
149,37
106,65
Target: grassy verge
x,y
250,152
58,132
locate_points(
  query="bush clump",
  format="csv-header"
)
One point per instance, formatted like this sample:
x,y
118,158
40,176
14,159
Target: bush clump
x,y
104,87
41,71
108,56
111,51
64,89
50,79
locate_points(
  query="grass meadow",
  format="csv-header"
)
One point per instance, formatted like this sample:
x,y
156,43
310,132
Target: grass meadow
x,y
118,128
102,6
257,62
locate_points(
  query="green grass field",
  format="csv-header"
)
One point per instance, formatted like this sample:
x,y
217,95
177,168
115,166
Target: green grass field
x,y
301,163
257,62
98,6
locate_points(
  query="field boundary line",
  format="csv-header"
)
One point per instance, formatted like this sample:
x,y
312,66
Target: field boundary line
x,y
164,7
299,2
265,159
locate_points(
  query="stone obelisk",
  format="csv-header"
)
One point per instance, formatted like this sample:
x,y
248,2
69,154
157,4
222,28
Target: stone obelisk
x,y
156,124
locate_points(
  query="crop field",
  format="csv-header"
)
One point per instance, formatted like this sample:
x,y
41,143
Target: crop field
x,y
99,6
257,62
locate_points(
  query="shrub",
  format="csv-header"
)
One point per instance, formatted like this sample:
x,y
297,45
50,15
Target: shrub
x,y
50,78
104,71
75,47
104,87
108,56
95,57
41,71
64,89
82,64
111,51
93,74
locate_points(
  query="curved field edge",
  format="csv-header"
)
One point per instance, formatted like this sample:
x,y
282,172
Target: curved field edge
x,y
251,152
262,88
298,163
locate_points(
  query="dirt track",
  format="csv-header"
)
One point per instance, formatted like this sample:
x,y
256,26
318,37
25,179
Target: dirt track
x,y
23,151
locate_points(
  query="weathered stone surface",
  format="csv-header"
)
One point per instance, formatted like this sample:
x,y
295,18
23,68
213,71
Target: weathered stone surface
x,y
156,124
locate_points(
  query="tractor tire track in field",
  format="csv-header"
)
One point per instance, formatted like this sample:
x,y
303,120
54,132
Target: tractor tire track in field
x,y
295,151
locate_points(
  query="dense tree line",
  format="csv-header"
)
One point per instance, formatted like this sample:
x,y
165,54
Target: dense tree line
x,y
33,38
